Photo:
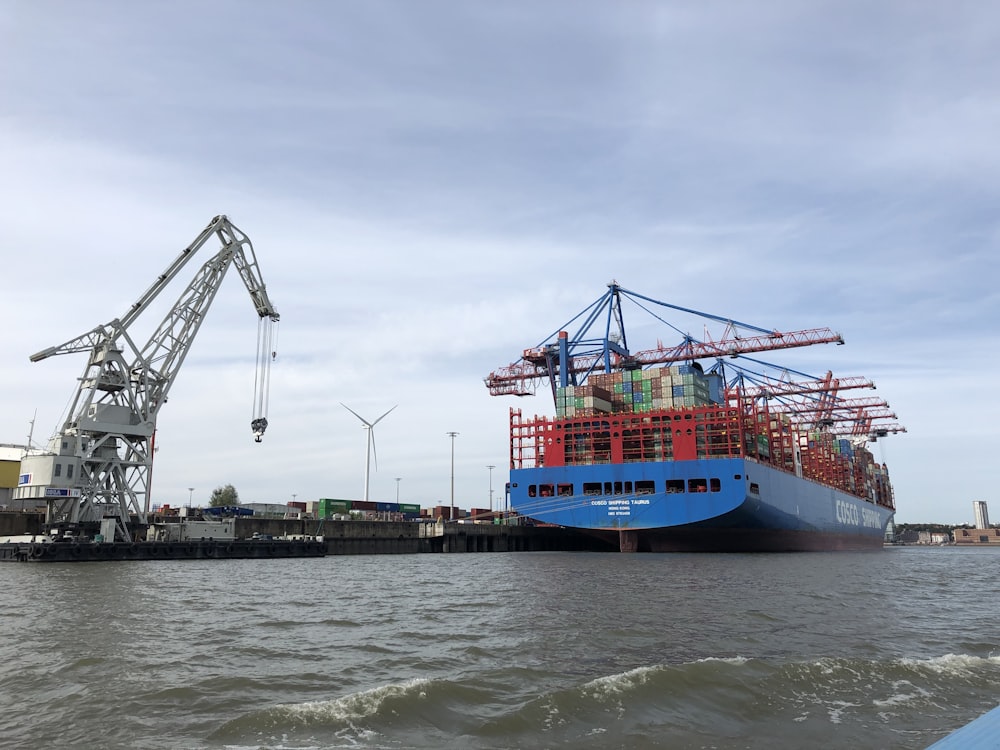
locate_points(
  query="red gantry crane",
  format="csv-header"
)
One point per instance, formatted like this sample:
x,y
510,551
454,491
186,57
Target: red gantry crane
x,y
599,344
569,360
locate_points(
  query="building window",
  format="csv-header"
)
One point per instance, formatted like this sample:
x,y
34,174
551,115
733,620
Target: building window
x,y
69,471
58,471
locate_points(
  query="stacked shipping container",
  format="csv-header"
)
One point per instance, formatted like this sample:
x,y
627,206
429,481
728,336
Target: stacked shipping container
x,y
639,391
638,415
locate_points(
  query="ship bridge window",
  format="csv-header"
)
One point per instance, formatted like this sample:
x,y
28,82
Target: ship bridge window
x,y
675,486
697,485
645,487
591,488
565,490
714,485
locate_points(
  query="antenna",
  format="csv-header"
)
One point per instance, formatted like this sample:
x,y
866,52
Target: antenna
x,y
370,427
31,428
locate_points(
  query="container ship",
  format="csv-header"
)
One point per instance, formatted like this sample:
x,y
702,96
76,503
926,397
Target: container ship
x,y
695,447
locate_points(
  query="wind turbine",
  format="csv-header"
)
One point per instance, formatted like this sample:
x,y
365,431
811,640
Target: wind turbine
x,y
370,427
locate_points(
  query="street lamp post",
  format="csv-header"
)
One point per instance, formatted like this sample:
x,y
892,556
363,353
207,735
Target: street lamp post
x,y
451,513
190,493
491,467
397,490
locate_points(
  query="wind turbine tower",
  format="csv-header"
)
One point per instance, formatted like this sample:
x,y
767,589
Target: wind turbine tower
x,y
370,428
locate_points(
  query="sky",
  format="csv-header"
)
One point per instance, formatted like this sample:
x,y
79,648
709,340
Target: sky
x,y
432,187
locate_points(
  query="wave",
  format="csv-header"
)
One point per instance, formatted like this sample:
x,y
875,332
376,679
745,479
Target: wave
x,y
754,702
358,718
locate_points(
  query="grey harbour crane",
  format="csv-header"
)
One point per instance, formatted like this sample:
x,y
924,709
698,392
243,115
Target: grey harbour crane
x,y
97,468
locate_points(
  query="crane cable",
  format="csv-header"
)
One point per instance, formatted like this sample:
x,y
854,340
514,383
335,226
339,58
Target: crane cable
x,y
266,352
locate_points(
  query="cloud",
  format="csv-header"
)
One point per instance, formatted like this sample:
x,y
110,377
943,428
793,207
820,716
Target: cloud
x,y
431,189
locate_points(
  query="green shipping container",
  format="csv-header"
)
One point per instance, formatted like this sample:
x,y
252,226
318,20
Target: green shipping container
x,y
327,507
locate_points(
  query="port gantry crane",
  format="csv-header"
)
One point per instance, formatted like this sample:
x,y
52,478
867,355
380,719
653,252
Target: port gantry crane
x,y
565,360
817,398
569,360
97,469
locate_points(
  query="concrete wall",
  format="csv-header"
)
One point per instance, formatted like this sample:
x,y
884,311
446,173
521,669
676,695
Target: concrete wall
x,y
385,538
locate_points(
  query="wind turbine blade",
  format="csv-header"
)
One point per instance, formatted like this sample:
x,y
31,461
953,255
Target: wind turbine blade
x,y
365,421
383,416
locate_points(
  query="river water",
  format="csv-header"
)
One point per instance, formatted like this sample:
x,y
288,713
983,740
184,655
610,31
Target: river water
x,y
890,649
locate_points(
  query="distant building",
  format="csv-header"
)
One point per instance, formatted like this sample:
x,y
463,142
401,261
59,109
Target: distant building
x,y
982,534
982,517
977,536
10,471
933,537
909,536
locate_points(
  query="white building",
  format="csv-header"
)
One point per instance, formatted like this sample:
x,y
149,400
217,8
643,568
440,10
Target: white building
x,y
982,517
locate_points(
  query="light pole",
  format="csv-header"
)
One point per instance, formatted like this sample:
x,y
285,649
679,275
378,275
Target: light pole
x,y
397,490
451,514
190,493
491,467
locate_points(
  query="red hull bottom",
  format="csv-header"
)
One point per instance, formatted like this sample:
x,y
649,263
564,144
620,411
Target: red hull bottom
x,y
736,540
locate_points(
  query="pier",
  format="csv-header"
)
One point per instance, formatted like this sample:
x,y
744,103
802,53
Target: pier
x,y
256,538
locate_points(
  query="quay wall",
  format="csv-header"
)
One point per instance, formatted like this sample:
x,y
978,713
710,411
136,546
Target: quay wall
x,y
409,537
384,537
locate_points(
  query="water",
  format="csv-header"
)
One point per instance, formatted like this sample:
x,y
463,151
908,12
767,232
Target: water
x,y
888,649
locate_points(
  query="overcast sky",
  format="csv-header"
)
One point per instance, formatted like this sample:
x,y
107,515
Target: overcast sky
x,y
431,187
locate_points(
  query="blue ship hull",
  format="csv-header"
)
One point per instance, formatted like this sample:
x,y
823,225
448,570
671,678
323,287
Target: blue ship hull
x,y
703,505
